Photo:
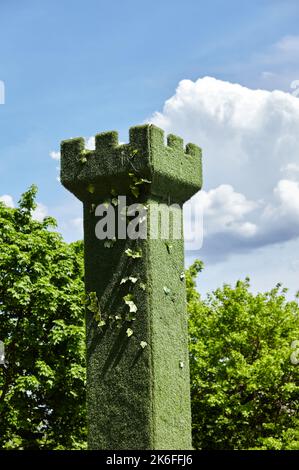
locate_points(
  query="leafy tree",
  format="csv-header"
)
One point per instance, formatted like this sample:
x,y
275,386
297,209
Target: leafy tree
x,y
42,393
244,387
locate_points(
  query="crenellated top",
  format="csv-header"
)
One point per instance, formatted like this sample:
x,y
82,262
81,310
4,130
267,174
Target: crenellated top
x,y
174,172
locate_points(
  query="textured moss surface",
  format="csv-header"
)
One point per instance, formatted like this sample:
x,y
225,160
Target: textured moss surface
x,y
175,172
138,398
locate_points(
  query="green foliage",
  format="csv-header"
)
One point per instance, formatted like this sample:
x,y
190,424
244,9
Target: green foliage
x,y
244,387
42,386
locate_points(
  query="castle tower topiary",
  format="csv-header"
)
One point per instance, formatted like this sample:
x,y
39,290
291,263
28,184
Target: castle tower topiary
x,y
138,391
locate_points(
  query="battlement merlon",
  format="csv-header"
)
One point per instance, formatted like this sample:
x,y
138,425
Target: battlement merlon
x,y
175,172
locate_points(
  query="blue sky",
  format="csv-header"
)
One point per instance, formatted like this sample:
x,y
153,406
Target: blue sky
x,y
74,68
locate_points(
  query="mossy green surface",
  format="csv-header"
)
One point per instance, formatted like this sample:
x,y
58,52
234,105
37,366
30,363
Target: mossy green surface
x,y
174,171
138,397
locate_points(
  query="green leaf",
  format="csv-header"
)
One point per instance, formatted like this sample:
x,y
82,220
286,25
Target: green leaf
x,y
130,278
166,290
143,344
133,254
135,191
142,181
129,332
91,188
92,302
109,243
130,302
168,246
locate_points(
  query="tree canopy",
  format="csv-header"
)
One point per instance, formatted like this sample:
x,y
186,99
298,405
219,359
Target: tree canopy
x,y
42,403
244,385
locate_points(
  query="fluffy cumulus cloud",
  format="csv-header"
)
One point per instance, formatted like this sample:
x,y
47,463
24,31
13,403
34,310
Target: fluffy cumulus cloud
x,y
7,200
55,155
39,213
250,141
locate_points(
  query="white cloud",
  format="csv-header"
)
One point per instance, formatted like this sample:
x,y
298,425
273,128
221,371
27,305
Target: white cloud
x,y
90,143
77,222
286,207
76,225
288,45
8,200
224,210
290,167
284,53
55,155
40,212
248,137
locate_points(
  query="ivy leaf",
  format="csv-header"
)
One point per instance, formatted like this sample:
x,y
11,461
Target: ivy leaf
x,y
135,191
142,286
91,188
131,317
129,332
166,290
102,323
133,254
168,246
130,278
106,203
143,344
109,243
83,160
142,181
130,302
182,276
92,302
93,305
98,316
114,201
132,306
